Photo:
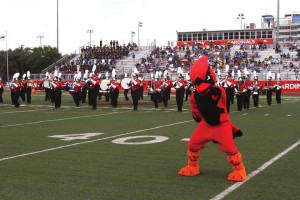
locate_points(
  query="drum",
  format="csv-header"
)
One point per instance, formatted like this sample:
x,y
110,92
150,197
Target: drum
x,y
104,85
125,83
46,84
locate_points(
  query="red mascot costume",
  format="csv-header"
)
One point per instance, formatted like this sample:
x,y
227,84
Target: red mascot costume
x,y
208,107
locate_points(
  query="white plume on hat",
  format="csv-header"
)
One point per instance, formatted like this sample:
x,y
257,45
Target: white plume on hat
x,y
86,74
94,68
179,70
113,73
269,75
239,73
226,68
24,76
55,73
125,75
165,73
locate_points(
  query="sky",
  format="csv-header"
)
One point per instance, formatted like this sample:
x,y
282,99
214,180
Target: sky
x,y
23,21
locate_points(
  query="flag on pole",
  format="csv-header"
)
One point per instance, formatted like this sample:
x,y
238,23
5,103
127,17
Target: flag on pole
x,y
2,37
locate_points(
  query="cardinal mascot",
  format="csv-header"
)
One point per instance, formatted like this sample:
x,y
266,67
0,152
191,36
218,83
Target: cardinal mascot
x,y
208,107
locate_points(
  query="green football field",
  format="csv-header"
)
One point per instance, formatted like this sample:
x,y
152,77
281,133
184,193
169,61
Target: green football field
x,y
115,153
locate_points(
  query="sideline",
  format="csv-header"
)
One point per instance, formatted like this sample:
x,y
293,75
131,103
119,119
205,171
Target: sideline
x,y
91,141
255,172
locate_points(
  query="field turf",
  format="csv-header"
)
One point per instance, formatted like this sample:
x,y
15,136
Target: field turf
x,y
115,153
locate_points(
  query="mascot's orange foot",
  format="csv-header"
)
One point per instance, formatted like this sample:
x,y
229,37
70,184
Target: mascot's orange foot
x,y
189,171
238,175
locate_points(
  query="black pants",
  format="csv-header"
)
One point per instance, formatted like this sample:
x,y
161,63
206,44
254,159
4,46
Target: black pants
x,y
240,99
114,94
179,98
165,97
126,94
83,96
28,94
135,98
255,98
57,98
155,98
278,96
15,98
269,97
1,92
94,94
77,97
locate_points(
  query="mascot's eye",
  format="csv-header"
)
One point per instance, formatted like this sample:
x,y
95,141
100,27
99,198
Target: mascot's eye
x,y
198,81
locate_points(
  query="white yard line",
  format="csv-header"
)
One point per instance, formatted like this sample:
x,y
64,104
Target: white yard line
x,y
62,119
91,141
254,173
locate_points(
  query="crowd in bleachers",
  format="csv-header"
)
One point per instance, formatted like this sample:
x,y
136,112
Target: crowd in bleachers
x,y
104,57
171,59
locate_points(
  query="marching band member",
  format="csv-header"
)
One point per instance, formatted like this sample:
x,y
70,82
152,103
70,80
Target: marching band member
x,y
135,92
227,84
47,88
141,88
77,93
126,90
23,88
94,90
247,94
1,90
114,92
56,85
240,91
85,84
15,90
188,89
179,85
255,91
278,89
166,91
155,91
269,90
28,88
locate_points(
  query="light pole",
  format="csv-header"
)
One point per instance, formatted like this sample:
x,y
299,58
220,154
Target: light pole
x,y
277,28
40,37
241,17
57,43
21,58
139,25
90,31
132,35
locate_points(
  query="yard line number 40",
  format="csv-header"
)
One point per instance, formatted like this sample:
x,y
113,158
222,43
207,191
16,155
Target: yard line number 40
x,y
131,140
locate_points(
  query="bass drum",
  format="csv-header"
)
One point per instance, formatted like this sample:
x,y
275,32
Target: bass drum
x,y
126,83
104,85
46,84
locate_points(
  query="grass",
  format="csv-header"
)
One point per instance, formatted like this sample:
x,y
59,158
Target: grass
x,y
36,166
